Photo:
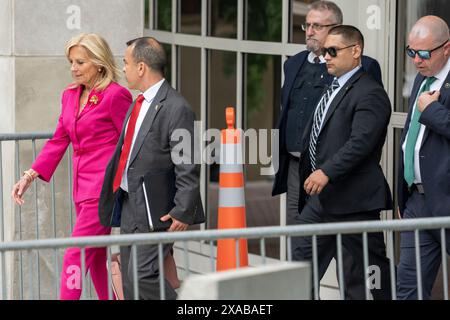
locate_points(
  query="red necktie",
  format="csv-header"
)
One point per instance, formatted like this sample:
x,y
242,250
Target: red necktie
x,y
127,142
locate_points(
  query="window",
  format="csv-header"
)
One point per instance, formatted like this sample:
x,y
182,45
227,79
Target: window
x,y
223,21
299,10
222,93
262,96
163,18
190,18
189,76
263,22
168,71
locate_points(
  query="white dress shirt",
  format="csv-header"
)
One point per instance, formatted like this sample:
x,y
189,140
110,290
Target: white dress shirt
x,y
342,81
312,55
149,95
436,86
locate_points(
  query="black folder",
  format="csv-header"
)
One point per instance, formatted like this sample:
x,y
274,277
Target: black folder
x,y
159,192
116,215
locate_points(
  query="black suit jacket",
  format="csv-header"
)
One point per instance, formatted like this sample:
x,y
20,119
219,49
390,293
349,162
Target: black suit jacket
x,y
349,149
291,68
152,151
434,153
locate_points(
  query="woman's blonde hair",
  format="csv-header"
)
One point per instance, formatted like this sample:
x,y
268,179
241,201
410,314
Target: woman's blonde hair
x,y
100,54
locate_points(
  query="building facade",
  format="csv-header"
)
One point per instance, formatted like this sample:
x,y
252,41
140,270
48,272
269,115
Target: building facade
x,y
221,53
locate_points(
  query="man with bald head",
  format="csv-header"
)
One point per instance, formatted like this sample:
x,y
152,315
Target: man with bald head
x,y
424,166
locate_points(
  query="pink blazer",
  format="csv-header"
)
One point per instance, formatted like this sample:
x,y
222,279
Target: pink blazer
x,y
93,134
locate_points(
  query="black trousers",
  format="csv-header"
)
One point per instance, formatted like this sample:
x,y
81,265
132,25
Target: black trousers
x,y
352,248
354,288
430,253
147,261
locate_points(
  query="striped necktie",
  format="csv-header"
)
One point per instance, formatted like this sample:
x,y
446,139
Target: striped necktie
x,y
318,119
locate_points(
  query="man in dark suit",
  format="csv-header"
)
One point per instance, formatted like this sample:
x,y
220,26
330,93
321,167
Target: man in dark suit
x,y
424,162
340,173
306,77
145,145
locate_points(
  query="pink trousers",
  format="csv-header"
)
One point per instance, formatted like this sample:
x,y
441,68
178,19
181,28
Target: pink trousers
x,y
87,224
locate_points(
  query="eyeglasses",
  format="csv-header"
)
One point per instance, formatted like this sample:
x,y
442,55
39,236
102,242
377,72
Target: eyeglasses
x,y
316,27
333,51
423,54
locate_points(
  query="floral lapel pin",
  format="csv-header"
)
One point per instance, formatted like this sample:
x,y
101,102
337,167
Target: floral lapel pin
x,y
95,98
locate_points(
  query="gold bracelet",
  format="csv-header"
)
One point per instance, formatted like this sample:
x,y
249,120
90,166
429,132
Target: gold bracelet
x,y
26,178
29,175
33,173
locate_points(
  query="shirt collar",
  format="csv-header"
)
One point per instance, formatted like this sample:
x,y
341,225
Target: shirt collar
x,y
151,92
312,55
442,75
345,77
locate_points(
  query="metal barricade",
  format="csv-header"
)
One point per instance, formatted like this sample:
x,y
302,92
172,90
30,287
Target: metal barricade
x,y
29,251
211,237
24,152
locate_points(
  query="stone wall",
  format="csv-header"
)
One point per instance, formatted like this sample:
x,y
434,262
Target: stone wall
x,y
34,72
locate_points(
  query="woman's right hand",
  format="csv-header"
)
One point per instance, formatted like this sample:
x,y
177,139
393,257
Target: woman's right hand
x,y
19,189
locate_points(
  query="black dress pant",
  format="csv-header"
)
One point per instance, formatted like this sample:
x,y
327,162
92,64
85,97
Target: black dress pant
x,y
147,259
352,245
354,288
430,253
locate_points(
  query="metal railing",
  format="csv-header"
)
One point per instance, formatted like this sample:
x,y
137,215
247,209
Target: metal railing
x,y
34,248
211,236
24,152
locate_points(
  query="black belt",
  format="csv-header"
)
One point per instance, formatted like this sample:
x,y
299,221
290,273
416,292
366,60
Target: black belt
x,y
294,158
417,187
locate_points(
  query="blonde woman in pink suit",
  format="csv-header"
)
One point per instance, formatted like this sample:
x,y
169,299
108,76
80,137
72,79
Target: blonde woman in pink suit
x,y
93,112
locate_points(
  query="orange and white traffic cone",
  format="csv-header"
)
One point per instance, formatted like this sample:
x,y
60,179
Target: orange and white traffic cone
x,y
231,196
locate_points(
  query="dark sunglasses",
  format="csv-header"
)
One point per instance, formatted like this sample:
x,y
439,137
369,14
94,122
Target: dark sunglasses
x,y
332,51
423,54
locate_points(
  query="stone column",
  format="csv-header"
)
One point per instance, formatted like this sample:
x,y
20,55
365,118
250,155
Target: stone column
x,y
34,73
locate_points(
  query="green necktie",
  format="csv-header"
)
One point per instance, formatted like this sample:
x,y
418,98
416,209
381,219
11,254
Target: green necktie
x,y
413,133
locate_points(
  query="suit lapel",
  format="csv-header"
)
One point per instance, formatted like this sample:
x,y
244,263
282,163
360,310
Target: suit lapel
x,y
338,98
412,100
155,107
292,76
445,93
445,90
